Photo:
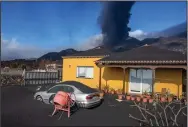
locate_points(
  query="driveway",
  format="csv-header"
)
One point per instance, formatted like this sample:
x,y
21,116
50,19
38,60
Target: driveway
x,y
19,108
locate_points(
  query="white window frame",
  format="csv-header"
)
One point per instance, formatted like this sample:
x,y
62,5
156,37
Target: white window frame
x,y
85,74
141,83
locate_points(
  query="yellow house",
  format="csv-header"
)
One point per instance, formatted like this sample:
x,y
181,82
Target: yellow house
x,y
143,69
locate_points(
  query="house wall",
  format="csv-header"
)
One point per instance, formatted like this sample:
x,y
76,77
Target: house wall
x,y
170,79
165,78
70,68
110,76
114,77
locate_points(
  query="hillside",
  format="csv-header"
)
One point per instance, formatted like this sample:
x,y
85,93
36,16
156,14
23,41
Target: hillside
x,y
175,43
169,32
173,38
57,55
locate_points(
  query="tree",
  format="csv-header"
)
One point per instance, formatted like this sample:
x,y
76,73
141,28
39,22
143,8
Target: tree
x,y
42,64
23,66
160,114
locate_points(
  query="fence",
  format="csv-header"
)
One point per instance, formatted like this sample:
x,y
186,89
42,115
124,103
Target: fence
x,y
41,78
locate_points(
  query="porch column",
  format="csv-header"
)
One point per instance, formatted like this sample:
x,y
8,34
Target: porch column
x,y
124,80
153,79
100,78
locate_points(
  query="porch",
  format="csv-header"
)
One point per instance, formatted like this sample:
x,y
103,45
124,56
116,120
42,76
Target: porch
x,y
138,79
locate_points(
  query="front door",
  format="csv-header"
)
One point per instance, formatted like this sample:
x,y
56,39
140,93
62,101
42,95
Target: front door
x,y
140,80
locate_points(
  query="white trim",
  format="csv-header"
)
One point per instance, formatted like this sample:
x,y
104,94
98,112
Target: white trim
x,y
89,72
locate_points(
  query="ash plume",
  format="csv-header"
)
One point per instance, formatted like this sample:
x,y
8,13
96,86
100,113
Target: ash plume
x,y
114,21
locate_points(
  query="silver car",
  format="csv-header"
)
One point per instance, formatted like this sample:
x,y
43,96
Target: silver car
x,y
82,95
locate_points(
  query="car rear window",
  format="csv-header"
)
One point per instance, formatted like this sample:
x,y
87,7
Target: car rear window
x,y
82,87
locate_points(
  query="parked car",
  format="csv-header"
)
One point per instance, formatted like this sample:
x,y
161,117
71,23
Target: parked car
x,y
82,95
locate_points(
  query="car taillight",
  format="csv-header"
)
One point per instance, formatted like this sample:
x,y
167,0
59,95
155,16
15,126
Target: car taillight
x,y
89,97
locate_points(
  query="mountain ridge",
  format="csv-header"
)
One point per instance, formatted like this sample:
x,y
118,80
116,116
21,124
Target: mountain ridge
x,y
173,38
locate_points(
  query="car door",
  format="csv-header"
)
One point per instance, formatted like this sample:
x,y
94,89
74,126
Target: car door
x,y
69,90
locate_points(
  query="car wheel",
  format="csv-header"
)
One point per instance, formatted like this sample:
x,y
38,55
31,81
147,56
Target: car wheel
x,y
39,98
51,99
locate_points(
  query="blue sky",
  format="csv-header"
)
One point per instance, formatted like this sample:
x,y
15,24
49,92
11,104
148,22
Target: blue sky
x,y
57,25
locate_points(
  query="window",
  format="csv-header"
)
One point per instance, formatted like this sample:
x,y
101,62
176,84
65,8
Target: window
x,y
68,89
85,72
55,89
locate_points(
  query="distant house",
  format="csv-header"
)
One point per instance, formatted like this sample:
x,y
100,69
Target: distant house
x,y
6,69
143,69
54,66
51,67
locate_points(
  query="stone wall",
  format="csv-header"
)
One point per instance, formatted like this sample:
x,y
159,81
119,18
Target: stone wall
x,y
11,80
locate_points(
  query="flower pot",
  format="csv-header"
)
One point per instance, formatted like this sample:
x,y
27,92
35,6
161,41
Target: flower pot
x,y
128,97
120,97
138,99
169,99
106,91
145,99
157,99
185,101
150,100
163,99
112,92
101,94
132,98
148,97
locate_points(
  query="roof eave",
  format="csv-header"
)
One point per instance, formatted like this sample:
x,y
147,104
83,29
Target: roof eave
x,y
144,62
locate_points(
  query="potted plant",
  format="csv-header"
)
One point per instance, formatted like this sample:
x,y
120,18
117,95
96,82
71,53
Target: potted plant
x,y
119,92
147,95
132,98
138,98
144,99
163,98
185,101
128,97
101,91
156,97
170,97
106,88
184,97
112,91
150,100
